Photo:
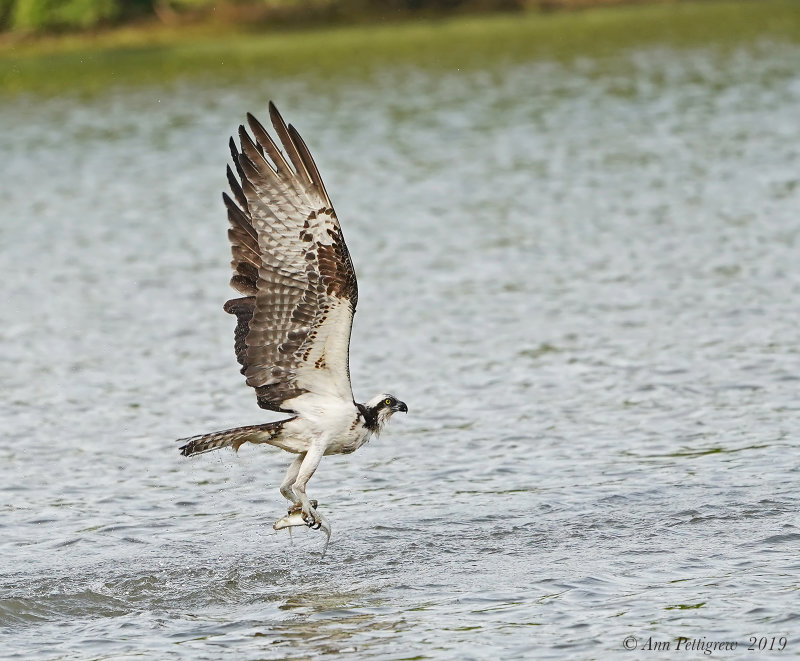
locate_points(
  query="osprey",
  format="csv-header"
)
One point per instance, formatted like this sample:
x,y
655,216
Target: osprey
x,y
293,320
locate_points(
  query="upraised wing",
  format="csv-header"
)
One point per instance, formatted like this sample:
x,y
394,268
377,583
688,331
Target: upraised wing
x,y
292,265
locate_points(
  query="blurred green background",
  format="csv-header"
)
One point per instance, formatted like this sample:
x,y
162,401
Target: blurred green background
x,y
31,16
80,46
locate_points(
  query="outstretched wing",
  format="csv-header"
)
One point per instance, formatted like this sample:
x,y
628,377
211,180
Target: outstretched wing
x,y
292,265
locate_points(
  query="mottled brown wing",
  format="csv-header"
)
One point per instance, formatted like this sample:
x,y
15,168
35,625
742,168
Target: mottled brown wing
x,y
292,265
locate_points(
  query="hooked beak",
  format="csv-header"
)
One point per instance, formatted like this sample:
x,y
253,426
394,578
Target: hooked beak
x,y
401,407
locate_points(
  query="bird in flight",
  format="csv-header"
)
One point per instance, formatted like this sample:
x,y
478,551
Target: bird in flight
x,y
293,320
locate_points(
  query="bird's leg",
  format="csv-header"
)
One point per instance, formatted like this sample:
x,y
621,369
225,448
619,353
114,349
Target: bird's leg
x,y
308,465
288,481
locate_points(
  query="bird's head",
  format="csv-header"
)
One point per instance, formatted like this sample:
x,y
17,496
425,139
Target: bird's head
x,y
381,407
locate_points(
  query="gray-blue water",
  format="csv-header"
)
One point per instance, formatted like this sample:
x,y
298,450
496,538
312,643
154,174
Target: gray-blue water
x,y
584,280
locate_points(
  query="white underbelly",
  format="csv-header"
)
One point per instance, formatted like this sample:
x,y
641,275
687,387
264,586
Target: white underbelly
x,y
349,442
299,434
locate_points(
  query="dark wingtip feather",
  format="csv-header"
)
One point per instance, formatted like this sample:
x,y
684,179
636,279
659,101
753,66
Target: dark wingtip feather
x,y
243,137
236,188
255,125
308,162
250,152
277,120
266,145
230,205
288,144
236,156
240,157
251,119
244,285
240,220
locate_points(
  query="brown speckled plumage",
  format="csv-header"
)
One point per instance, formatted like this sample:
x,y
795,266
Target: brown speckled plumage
x,y
290,261
231,437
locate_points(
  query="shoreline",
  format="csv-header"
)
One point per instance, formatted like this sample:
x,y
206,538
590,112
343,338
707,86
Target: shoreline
x,y
149,31
158,54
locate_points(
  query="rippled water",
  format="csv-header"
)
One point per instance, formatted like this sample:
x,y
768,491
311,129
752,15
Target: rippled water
x,y
582,278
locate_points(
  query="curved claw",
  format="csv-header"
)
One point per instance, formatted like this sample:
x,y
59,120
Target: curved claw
x,y
311,518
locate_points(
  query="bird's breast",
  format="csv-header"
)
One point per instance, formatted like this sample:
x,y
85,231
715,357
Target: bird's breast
x,y
351,438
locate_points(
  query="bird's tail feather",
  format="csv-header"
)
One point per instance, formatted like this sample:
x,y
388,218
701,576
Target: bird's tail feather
x,y
230,437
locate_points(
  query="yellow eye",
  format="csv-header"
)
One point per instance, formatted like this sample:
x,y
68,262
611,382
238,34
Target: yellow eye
x,y
388,402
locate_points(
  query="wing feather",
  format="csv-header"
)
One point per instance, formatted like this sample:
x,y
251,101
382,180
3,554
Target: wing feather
x,y
291,263
238,193
289,145
308,163
263,138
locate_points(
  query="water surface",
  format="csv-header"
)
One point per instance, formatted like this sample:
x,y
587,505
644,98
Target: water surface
x,y
582,276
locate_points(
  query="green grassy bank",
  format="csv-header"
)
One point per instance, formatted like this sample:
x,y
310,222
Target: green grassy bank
x,y
149,54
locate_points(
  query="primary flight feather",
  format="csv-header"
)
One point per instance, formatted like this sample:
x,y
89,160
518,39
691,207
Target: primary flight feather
x,y
293,320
